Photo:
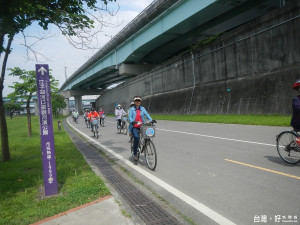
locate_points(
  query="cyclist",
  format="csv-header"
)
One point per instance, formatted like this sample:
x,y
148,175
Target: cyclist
x,y
101,112
75,115
295,121
137,114
92,116
119,112
86,115
129,130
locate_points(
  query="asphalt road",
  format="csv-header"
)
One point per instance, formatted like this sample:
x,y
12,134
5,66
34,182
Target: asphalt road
x,y
215,173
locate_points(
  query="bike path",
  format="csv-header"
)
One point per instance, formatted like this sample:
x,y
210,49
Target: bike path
x,y
192,159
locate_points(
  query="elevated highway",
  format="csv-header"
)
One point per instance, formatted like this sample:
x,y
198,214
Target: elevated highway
x,y
162,30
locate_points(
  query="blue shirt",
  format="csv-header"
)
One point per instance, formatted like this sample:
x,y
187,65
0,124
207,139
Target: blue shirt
x,y
132,115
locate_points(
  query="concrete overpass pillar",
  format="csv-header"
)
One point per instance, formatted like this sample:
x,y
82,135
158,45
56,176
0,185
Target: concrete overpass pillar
x,y
66,111
78,103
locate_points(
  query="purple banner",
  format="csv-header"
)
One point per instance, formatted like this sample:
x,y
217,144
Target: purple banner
x,y
46,129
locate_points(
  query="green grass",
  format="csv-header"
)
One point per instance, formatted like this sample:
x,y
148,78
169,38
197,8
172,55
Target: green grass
x,y
264,120
22,176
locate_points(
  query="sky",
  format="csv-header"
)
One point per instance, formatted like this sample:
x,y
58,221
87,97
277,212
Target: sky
x,y
62,57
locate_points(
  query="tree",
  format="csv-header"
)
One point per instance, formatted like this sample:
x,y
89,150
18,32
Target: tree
x,y
26,88
72,17
11,108
58,103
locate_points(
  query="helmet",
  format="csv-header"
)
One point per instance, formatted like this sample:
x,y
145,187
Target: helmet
x,y
296,85
137,98
131,104
101,109
92,109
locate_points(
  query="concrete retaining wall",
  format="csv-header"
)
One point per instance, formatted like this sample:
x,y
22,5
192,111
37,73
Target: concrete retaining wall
x,y
247,70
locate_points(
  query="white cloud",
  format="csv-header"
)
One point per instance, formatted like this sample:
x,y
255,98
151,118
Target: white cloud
x,y
58,49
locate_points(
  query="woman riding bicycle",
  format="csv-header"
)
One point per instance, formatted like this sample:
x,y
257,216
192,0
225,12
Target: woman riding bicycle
x,y
137,114
101,112
92,116
75,115
86,115
288,142
119,112
129,128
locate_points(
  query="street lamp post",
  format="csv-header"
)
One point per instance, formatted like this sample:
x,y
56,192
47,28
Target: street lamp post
x,y
66,73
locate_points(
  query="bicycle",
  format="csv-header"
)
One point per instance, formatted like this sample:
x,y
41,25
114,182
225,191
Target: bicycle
x,y
87,122
75,119
123,126
102,120
288,146
95,127
146,145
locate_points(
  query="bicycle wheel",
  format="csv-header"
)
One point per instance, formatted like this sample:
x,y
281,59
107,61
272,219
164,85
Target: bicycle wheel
x,y
119,128
102,122
125,129
287,147
94,131
97,132
150,154
131,149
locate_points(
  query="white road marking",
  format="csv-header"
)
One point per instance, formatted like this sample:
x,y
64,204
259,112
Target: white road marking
x,y
187,199
216,137
208,136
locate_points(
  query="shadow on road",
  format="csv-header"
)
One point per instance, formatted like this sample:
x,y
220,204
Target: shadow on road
x,y
278,160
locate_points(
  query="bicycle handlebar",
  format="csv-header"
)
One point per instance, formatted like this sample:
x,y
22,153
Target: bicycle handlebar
x,y
152,122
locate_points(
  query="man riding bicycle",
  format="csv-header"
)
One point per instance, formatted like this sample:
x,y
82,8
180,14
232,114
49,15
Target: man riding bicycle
x,y
137,114
92,116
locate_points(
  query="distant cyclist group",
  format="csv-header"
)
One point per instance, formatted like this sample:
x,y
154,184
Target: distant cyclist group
x,y
140,127
91,118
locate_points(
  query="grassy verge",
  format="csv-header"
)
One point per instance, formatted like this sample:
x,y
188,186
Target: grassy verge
x,y
264,120
22,176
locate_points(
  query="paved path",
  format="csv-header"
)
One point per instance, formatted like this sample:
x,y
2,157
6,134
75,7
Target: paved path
x,y
101,212
215,173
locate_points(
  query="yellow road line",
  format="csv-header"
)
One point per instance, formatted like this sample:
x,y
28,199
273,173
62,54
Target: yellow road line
x,y
261,168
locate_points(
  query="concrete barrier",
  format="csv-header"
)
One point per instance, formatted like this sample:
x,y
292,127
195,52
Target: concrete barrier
x,y
248,70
